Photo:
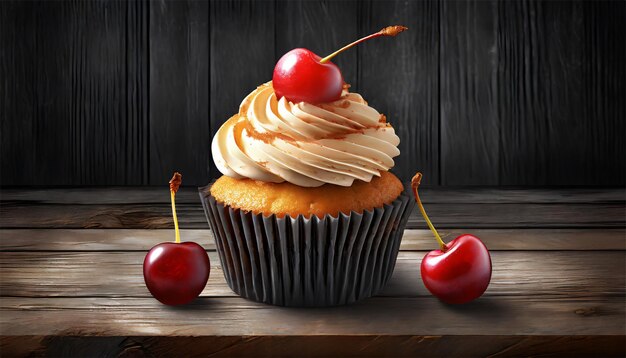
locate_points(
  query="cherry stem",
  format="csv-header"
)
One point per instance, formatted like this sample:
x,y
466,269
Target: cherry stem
x,y
387,31
415,182
174,185
173,198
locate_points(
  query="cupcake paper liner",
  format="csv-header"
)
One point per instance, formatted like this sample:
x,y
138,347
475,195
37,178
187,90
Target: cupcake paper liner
x,y
302,262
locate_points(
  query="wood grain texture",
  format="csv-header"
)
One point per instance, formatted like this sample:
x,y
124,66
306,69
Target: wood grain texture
x,y
74,93
191,216
317,346
468,94
550,275
557,292
242,57
138,91
561,92
90,316
399,77
127,240
179,91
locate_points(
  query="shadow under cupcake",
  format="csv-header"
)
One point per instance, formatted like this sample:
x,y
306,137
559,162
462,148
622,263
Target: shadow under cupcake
x,y
307,213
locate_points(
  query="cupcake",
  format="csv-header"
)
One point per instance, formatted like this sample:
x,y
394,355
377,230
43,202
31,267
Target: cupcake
x,y
306,212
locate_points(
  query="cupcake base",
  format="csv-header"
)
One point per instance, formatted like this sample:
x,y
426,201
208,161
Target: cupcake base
x,y
303,262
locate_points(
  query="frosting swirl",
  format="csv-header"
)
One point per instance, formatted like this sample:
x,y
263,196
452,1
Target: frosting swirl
x,y
308,145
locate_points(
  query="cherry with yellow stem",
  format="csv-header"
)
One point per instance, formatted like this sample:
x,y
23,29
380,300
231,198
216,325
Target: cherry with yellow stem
x,y
175,273
460,270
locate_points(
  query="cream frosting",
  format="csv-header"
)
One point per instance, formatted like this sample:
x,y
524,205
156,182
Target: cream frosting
x,y
309,145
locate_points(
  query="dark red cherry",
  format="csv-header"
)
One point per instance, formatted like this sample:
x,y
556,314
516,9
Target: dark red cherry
x,y
176,273
461,273
460,270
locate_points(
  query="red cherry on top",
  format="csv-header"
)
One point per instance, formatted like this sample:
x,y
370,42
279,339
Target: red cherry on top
x,y
302,76
176,273
461,270
461,273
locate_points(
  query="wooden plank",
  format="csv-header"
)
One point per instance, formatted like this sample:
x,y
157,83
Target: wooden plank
x,y
18,90
133,216
561,79
399,77
103,274
318,346
73,84
25,240
179,91
242,57
440,195
322,27
138,91
118,274
191,216
468,96
376,316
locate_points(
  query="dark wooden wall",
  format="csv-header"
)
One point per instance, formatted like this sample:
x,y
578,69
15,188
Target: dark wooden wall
x,y
481,92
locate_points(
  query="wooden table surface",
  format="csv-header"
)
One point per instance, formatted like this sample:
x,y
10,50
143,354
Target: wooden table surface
x,y
71,281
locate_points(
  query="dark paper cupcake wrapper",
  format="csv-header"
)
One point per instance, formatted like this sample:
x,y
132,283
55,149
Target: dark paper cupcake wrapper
x,y
307,262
